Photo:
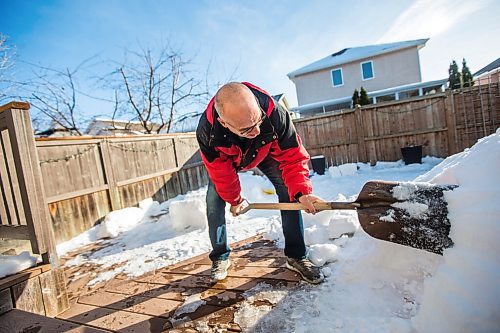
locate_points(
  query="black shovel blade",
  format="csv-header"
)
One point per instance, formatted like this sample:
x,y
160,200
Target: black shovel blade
x,y
411,214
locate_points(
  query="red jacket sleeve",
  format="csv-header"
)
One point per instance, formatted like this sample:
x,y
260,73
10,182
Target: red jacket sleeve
x,y
291,155
223,174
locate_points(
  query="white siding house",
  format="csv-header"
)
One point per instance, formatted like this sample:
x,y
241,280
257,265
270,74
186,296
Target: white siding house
x,y
383,70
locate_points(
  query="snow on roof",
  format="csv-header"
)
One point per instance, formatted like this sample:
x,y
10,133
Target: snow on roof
x,y
356,53
115,121
488,68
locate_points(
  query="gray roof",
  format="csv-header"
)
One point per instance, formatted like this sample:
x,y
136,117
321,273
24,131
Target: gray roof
x,y
488,68
356,53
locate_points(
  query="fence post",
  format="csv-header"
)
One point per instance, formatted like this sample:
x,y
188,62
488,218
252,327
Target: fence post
x,y
16,122
114,196
451,125
362,156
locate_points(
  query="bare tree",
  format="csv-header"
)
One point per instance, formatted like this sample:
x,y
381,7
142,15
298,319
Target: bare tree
x,y
53,96
154,87
7,61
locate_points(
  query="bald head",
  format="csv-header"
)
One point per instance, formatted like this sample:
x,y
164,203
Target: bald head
x,y
237,106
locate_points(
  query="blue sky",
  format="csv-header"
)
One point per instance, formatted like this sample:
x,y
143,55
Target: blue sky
x,y
263,40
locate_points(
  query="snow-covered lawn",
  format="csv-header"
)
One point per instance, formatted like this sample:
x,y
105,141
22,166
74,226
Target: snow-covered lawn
x,y
371,286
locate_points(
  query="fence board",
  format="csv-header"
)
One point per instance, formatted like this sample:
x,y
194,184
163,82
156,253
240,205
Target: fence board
x,y
443,123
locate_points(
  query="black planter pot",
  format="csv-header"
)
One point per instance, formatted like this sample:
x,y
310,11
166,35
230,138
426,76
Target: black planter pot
x,y
412,154
319,164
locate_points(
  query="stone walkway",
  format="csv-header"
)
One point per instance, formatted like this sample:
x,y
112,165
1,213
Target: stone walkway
x,y
162,301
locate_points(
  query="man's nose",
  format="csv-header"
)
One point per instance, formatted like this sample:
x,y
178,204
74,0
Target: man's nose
x,y
255,131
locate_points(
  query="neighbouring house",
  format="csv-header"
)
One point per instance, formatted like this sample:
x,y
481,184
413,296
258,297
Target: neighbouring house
x,y
386,71
113,127
488,74
56,131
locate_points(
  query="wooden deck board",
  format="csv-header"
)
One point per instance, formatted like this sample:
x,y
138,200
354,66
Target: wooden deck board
x,y
155,301
21,321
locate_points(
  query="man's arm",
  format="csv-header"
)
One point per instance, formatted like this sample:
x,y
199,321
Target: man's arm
x,y
219,167
291,154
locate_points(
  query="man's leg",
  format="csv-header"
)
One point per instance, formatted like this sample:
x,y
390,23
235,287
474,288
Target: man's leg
x,y
293,228
217,224
291,220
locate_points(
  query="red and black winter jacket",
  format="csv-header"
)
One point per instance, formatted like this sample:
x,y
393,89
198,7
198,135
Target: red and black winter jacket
x,y
224,153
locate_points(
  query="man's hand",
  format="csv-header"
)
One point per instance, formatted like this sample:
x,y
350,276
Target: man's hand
x,y
308,200
235,210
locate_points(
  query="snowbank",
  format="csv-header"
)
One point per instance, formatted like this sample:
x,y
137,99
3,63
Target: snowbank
x,y
464,294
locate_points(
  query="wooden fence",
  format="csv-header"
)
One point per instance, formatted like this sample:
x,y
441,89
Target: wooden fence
x,y
86,178
444,124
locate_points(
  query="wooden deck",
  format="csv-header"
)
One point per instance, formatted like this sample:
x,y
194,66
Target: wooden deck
x,y
149,303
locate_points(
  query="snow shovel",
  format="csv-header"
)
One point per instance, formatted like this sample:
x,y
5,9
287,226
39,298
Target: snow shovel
x,y
411,214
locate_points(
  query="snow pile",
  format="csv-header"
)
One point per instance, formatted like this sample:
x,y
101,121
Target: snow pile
x,y
188,214
464,296
321,254
343,170
11,264
120,221
342,224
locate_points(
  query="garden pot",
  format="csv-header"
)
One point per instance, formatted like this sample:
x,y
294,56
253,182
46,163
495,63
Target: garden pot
x,y
412,154
319,164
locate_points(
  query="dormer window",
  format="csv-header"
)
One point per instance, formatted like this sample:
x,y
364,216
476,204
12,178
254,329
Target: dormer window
x,y
337,77
367,70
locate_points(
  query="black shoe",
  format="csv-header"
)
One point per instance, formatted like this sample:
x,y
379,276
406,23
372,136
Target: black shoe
x,y
306,269
219,269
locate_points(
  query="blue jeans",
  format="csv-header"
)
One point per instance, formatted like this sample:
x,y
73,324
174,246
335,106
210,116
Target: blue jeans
x,y
291,220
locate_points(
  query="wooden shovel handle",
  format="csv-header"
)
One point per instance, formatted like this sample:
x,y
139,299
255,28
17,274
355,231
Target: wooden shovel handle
x,y
298,206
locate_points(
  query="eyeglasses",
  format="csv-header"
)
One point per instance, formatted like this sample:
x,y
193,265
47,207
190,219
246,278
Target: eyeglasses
x,y
247,130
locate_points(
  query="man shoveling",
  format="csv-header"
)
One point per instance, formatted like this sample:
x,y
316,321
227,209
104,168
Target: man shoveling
x,y
243,128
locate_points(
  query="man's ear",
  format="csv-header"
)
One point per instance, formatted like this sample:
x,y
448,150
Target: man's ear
x,y
222,122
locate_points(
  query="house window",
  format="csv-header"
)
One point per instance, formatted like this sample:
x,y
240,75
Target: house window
x,y
367,70
337,77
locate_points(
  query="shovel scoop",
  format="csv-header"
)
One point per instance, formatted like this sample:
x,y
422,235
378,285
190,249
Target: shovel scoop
x,y
411,214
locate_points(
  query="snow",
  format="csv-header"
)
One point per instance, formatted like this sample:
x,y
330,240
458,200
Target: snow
x,y
321,254
413,209
11,264
371,285
191,304
464,294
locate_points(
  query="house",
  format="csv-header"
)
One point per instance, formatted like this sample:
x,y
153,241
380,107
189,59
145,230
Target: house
x,y
488,74
56,131
387,72
111,127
